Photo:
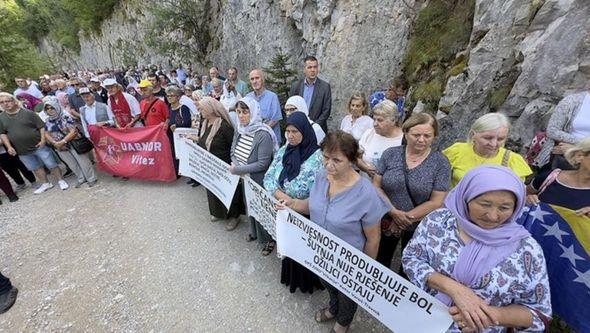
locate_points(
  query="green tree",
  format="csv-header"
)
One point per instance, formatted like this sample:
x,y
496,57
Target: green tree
x,y
180,30
18,55
280,75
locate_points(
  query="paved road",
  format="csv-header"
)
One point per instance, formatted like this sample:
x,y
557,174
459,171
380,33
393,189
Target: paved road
x,y
142,257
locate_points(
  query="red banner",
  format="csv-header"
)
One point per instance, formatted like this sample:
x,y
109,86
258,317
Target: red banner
x,y
140,153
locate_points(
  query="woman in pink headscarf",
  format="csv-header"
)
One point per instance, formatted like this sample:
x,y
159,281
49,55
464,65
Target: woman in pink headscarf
x,y
29,101
474,257
62,97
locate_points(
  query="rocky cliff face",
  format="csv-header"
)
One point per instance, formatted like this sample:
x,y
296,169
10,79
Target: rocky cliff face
x,y
533,51
524,55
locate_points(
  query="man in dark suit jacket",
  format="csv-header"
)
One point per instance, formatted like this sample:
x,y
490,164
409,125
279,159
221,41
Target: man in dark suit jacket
x,y
316,93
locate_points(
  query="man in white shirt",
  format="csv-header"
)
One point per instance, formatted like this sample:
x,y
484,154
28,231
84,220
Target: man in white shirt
x,y
24,86
94,113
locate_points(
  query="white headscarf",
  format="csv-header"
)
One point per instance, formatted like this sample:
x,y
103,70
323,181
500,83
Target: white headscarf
x,y
299,103
256,123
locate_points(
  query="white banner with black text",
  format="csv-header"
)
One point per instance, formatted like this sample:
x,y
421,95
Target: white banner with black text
x,y
206,168
396,302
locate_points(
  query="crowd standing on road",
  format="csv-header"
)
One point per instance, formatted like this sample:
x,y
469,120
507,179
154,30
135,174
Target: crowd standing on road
x,y
375,182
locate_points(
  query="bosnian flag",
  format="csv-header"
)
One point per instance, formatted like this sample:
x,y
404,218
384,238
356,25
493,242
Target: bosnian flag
x,y
565,239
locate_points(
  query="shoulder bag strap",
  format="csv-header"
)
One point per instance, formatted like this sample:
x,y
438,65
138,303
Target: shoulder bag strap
x,y
506,158
549,180
142,116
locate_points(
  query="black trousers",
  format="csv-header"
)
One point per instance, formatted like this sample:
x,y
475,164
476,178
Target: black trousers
x,y
14,167
340,305
5,284
387,247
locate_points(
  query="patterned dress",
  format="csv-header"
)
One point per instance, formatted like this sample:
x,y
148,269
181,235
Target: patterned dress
x,y
519,279
299,187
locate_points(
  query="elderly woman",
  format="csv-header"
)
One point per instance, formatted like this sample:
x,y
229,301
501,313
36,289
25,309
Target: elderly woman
x,y
251,154
297,104
416,180
386,133
196,96
216,136
59,130
474,257
188,90
485,145
347,205
569,123
569,189
179,116
217,90
357,122
291,176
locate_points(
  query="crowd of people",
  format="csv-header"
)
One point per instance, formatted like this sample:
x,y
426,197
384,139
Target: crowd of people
x,y
376,182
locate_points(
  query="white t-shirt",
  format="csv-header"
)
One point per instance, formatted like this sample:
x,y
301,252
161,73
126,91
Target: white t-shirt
x,y
373,145
360,126
31,90
581,124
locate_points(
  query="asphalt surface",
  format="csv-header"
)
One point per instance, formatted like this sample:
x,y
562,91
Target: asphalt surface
x,y
143,257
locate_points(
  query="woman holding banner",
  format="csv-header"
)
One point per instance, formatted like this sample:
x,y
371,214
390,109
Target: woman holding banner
x,y
217,136
291,175
251,154
475,258
347,205
179,116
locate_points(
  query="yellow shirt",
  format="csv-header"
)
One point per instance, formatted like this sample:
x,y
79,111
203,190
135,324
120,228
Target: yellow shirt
x,y
463,158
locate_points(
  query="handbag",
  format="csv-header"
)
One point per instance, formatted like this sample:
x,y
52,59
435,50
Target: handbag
x,y
81,145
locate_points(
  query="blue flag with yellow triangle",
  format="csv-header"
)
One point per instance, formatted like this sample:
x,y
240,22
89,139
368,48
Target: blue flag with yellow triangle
x,y
565,239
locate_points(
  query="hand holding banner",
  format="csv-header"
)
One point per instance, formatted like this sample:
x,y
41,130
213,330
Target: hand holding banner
x,y
397,303
180,136
204,167
261,206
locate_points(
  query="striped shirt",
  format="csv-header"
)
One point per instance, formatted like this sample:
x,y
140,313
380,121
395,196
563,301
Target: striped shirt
x,y
244,148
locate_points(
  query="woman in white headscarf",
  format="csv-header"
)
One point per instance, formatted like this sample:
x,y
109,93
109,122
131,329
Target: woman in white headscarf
x,y
251,154
297,104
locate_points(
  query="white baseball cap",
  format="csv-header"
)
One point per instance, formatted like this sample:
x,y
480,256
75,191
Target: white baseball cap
x,y
109,82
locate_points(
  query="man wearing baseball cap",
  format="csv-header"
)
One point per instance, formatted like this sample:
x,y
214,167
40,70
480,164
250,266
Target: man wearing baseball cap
x,y
95,86
75,100
125,107
94,112
153,110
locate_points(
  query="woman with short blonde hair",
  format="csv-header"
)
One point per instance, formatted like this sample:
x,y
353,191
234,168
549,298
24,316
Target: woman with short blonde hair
x,y
388,110
386,133
485,145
